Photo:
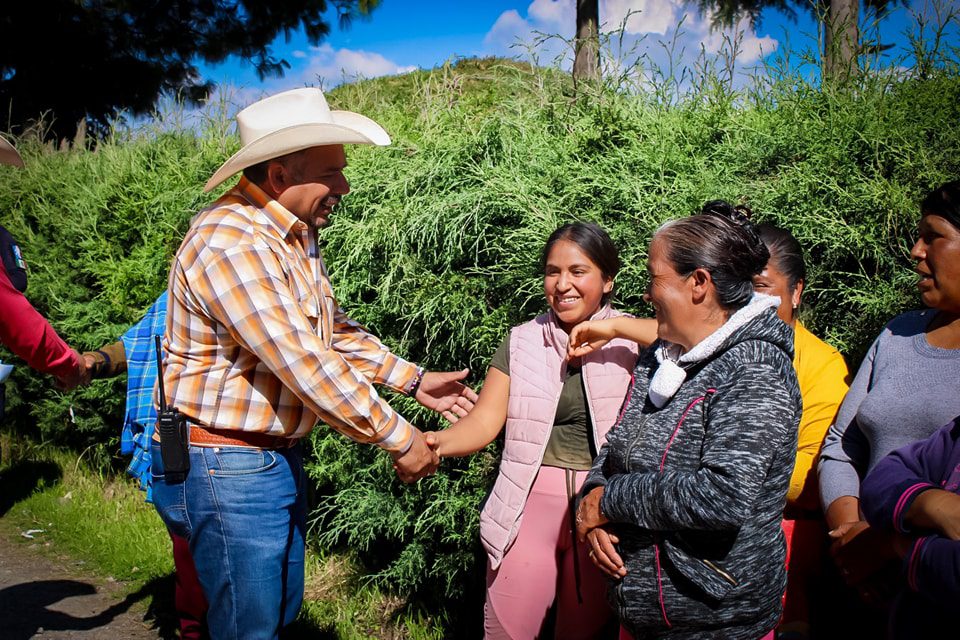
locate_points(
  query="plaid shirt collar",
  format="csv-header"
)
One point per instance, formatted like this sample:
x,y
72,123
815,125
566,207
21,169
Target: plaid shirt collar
x,y
275,214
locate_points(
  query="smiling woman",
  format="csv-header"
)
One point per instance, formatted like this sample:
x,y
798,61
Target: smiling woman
x,y
557,413
905,389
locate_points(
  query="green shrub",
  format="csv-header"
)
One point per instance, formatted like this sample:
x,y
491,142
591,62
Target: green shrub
x,y
436,248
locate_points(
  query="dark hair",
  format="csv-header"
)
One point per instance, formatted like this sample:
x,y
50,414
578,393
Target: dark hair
x,y
786,254
257,173
722,240
944,202
594,242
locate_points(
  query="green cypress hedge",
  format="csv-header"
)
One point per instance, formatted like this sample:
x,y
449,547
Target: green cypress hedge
x,y
436,248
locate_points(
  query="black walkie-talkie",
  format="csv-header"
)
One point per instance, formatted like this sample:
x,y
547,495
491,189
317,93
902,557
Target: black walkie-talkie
x,y
174,440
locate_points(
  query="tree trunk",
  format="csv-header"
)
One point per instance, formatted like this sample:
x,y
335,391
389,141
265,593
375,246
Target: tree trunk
x,y
586,61
841,39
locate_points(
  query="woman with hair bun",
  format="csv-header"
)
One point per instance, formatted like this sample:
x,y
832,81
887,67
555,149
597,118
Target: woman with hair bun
x,y
683,505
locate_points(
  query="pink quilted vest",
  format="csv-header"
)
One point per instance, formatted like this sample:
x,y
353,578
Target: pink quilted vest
x,y
537,368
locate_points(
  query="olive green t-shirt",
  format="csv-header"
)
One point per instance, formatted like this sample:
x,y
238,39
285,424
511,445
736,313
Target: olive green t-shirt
x,y
569,446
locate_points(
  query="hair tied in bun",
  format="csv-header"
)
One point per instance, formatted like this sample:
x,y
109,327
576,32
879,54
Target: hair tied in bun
x,y
739,215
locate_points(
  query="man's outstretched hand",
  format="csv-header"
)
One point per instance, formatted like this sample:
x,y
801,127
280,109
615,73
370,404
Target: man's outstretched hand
x,y
419,461
444,392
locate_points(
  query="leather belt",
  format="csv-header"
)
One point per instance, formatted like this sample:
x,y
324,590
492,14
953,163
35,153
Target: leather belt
x,y
203,436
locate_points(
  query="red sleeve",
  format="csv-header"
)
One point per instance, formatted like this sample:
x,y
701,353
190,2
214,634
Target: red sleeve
x,y
28,335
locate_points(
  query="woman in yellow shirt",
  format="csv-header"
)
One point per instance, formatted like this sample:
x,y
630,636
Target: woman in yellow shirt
x,y
823,377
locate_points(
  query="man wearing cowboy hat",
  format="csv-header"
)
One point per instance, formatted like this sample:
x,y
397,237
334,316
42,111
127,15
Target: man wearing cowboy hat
x,y
258,351
22,329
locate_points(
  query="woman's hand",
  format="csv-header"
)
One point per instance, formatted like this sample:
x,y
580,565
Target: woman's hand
x,y
590,336
433,439
589,516
860,551
604,554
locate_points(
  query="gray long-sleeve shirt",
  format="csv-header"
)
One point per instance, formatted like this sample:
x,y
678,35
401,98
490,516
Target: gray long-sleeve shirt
x,y
904,391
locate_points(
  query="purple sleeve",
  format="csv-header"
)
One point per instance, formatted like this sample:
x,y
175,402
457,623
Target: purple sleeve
x,y
933,569
897,480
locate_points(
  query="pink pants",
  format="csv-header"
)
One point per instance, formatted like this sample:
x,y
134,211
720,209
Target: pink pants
x,y
538,569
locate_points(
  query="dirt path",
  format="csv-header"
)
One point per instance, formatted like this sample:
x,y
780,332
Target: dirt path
x,y
44,597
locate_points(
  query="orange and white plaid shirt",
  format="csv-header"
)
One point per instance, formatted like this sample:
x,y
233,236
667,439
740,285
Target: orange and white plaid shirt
x,y
255,339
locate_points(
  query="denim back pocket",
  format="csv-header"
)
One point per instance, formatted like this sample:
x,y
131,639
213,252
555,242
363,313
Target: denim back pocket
x,y
238,461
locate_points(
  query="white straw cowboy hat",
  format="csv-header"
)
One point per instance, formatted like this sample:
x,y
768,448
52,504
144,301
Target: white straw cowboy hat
x,y
9,155
293,121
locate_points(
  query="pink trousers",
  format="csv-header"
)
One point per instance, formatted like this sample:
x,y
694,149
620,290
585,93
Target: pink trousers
x,y
539,568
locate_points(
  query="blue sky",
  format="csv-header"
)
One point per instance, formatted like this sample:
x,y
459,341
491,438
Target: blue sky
x,y
402,35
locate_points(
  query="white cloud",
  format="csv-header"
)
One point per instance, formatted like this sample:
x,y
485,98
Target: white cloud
x,y
561,13
646,23
750,47
329,67
645,16
508,28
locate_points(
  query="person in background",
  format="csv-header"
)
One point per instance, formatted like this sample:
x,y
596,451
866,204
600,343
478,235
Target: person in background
x,y
135,354
258,351
822,375
683,506
22,329
913,495
557,414
905,389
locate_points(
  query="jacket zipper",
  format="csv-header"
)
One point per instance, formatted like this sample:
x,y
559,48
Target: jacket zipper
x,y
720,572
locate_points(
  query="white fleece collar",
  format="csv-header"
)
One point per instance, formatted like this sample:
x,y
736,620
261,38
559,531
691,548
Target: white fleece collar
x,y
671,372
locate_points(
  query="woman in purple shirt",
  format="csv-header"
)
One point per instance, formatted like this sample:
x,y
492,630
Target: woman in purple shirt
x,y
913,493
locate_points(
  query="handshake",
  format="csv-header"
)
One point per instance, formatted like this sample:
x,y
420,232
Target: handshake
x,y
79,376
443,392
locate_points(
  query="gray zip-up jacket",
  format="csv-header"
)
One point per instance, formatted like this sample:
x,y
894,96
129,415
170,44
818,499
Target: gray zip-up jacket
x,y
696,490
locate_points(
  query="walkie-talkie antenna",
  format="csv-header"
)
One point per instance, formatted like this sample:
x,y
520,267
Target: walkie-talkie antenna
x,y
163,395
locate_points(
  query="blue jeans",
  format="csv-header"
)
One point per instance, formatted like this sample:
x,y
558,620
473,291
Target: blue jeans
x,y
243,511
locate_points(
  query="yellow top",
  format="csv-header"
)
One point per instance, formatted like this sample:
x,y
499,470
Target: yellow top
x,y
824,380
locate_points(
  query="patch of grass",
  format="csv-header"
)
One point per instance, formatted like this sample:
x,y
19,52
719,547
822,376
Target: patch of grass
x,y
90,515
340,601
